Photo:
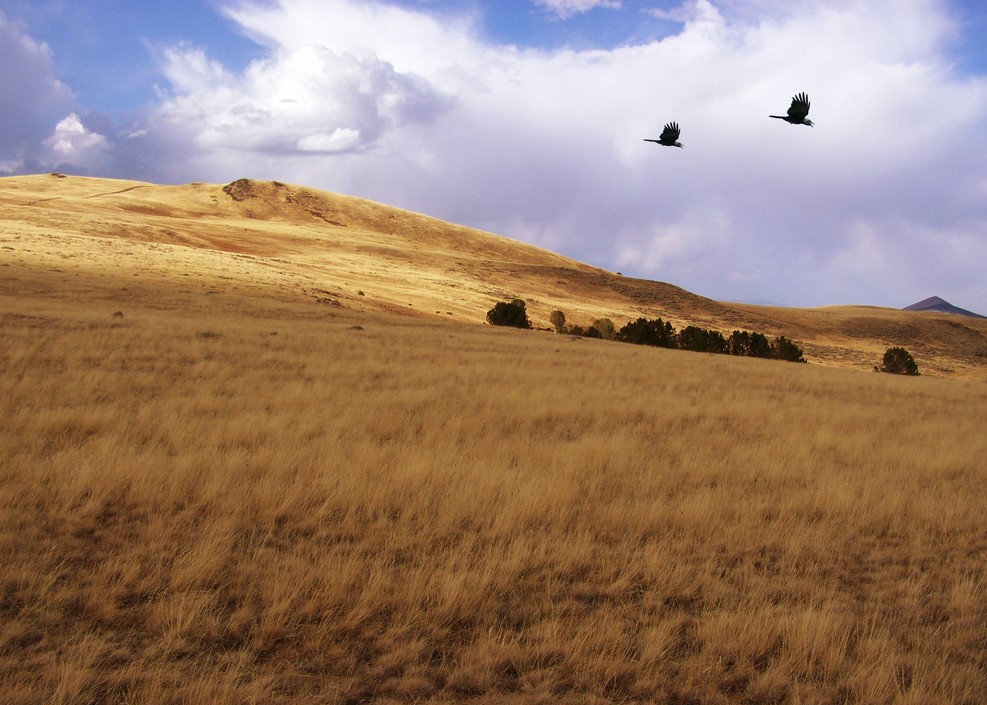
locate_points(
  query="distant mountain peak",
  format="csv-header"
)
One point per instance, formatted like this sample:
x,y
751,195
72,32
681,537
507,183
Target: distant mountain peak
x,y
940,305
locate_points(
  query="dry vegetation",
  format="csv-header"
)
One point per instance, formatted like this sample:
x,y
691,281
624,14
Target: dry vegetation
x,y
214,490
300,244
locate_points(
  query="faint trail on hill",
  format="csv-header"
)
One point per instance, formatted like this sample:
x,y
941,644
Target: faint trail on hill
x,y
114,193
95,195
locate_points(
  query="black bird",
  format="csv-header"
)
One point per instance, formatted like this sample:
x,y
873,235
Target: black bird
x,y
798,112
669,136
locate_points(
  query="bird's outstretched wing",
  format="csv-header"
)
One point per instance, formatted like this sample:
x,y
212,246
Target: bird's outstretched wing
x,y
670,134
800,107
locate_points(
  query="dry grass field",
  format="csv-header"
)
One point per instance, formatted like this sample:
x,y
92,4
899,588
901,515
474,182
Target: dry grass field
x,y
227,477
298,244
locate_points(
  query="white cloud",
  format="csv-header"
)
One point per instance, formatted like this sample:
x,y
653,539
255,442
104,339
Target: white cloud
x,y
74,143
341,139
568,8
413,108
695,11
307,99
30,95
191,72
412,42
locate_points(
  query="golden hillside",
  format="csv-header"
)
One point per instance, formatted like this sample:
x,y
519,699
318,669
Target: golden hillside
x,y
292,243
226,477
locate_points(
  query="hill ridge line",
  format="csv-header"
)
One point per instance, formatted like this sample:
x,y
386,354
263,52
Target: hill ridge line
x,y
371,256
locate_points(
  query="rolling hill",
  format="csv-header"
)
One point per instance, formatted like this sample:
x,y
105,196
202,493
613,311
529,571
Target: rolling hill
x,y
257,447
291,243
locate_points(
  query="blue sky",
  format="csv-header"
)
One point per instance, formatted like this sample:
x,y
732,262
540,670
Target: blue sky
x,y
527,118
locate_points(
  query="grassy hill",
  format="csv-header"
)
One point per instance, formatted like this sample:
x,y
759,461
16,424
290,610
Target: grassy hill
x,y
229,477
296,243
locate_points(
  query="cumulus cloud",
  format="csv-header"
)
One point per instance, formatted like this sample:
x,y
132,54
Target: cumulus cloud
x,y
882,202
412,41
414,108
30,95
73,142
303,99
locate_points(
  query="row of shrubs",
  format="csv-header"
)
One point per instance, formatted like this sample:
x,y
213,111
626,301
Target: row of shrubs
x,y
657,333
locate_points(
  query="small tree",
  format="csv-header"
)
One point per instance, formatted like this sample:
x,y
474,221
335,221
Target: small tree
x,y
606,328
760,347
740,343
638,333
785,349
898,361
717,343
701,340
513,313
644,332
557,319
749,344
693,338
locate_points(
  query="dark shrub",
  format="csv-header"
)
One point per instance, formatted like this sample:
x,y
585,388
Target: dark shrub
x,y
557,318
716,343
606,328
740,343
509,313
701,340
785,349
749,344
637,332
692,338
898,361
644,332
760,347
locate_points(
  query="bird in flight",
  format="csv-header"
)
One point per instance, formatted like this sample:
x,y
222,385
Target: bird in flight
x,y
797,112
669,136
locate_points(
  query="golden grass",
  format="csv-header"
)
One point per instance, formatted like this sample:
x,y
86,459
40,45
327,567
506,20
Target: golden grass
x,y
297,244
236,496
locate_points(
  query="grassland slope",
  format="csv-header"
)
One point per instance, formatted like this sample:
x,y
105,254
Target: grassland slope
x,y
215,491
226,477
296,243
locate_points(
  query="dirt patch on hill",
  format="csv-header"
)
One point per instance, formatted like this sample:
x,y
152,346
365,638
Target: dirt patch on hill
x,y
273,199
240,190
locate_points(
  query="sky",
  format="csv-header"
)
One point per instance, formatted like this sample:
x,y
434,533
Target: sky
x,y
527,118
